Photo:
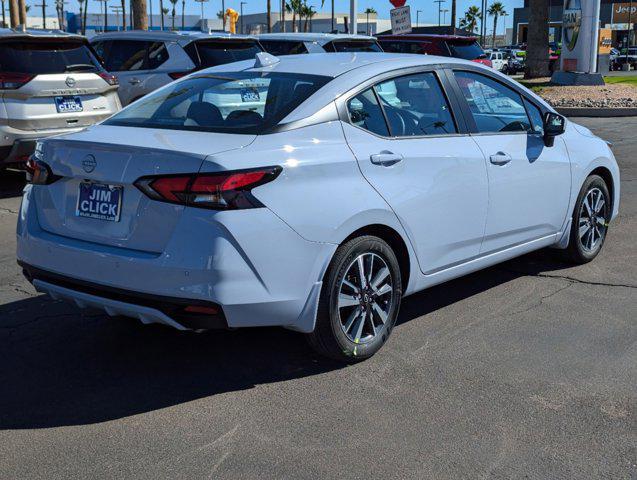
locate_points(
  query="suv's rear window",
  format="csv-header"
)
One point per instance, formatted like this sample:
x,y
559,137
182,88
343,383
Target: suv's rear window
x,y
232,102
212,53
466,51
283,47
46,57
353,46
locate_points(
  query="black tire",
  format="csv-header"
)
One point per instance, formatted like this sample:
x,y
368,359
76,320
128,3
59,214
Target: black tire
x,y
330,337
580,248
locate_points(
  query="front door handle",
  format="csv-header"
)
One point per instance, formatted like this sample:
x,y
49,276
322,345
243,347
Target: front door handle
x,y
134,81
500,158
385,158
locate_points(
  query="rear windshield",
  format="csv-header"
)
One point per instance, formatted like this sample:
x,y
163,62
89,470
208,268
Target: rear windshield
x,y
467,51
213,53
354,46
50,57
237,102
283,47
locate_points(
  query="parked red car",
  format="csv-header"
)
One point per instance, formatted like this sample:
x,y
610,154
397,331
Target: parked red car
x,y
457,46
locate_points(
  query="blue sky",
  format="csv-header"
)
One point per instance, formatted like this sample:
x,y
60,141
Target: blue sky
x,y
429,9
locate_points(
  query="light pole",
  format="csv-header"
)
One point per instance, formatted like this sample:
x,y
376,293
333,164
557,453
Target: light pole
x,y
444,16
201,2
150,7
353,20
241,13
417,15
439,2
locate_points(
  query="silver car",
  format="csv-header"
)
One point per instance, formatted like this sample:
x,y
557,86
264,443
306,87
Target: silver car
x,y
50,83
293,43
144,61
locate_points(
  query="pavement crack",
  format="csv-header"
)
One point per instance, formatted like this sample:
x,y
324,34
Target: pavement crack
x,y
8,210
542,299
569,279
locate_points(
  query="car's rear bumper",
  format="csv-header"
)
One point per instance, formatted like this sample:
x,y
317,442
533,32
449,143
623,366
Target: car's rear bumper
x,y
251,264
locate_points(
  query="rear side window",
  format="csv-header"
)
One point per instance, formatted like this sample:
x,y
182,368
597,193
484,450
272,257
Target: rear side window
x,y
494,107
123,55
282,47
46,57
403,47
416,105
232,102
365,112
352,46
157,55
467,51
212,53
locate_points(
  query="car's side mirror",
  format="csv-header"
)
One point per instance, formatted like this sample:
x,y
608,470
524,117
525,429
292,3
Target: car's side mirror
x,y
553,126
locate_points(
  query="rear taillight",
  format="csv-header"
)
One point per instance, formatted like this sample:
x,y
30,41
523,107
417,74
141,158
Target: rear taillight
x,y
108,78
219,191
178,75
11,80
39,173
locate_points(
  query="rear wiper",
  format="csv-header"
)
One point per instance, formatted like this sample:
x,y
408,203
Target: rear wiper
x,y
79,67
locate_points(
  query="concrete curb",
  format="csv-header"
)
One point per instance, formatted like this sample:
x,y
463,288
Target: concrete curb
x,y
597,112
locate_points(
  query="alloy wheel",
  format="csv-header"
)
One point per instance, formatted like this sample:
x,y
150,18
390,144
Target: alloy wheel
x,y
366,296
592,220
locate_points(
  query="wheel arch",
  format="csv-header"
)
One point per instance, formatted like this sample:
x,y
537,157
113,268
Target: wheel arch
x,y
395,241
607,176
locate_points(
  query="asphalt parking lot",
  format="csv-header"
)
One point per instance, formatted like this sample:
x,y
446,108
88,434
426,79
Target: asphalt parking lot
x,y
525,370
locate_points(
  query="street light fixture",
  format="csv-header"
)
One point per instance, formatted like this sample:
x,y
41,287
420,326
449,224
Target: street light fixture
x,y
417,15
201,2
444,16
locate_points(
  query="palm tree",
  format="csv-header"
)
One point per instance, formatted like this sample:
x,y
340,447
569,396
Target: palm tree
x,y
453,17
140,14
369,11
183,12
124,15
164,11
295,7
81,2
268,15
537,58
308,12
174,2
496,10
84,19
471,17
220,14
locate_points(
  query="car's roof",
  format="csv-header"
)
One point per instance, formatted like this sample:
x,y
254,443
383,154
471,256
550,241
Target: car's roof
x,y
36,33
167,36
320,38
426,36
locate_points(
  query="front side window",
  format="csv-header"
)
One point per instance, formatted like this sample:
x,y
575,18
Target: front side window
x,y
494,107
535,114
365,112
229,102
416,105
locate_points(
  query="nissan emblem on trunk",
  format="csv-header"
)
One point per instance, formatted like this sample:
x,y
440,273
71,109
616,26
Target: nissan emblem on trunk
x,y
70,82
89,163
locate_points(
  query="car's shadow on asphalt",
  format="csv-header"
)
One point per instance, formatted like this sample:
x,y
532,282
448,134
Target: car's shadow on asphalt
x,y
62,366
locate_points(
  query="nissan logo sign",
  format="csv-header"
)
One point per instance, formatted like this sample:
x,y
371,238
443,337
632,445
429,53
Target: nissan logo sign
x,y
70,82
89,163
571,23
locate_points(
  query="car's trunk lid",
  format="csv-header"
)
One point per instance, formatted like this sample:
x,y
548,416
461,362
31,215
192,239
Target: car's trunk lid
x,y
90,157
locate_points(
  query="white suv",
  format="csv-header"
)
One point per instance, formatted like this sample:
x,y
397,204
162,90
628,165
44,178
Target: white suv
x,y
50,83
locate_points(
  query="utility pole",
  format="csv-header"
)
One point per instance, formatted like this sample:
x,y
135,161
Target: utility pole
x,y
241,15
43,5
439,2
353,27
117,9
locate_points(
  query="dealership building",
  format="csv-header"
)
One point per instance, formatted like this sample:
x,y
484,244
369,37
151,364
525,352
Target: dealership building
x,y
619,18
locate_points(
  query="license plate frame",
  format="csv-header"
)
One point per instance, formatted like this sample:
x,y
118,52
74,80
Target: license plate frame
x,y
63,104
92,197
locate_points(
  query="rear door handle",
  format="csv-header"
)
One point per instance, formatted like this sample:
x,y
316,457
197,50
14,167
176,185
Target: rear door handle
x,y
134,81
385,158
500,158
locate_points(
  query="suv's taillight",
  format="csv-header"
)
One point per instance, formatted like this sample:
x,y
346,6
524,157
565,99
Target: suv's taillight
x,y
108,78
12,80
219,191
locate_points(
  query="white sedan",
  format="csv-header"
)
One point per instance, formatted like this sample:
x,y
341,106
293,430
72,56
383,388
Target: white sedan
x,y
311,192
